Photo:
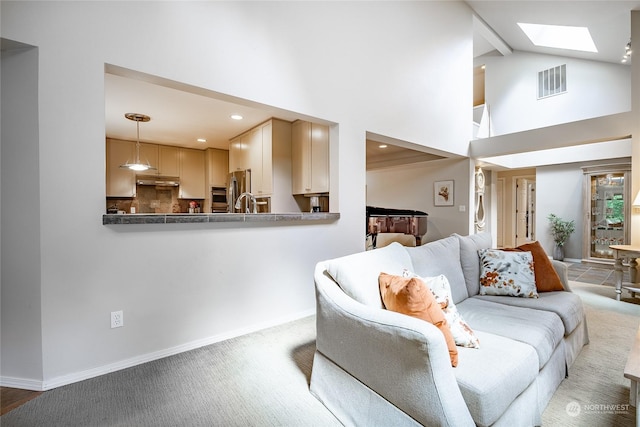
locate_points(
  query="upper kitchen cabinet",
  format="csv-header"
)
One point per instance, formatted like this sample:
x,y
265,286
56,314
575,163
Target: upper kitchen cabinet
x,y
164,158
309,158
149,155
239,151
192,174
217,167
254,150
120,182
168,161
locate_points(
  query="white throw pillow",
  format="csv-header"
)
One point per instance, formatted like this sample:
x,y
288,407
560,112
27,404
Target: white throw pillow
x,y
462,334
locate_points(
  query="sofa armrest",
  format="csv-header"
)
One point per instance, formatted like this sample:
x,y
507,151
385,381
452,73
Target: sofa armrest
x,y
563,272
403,359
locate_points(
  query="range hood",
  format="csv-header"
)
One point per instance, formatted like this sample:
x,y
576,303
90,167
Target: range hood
x,y
158,181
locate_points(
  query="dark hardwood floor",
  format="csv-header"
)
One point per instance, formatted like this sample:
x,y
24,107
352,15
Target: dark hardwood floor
x,y
11,398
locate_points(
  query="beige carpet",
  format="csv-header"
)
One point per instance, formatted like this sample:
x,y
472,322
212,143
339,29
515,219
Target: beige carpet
x,y
596,392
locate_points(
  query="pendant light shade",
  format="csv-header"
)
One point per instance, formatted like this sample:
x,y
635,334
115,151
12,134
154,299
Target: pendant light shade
x,y
137,166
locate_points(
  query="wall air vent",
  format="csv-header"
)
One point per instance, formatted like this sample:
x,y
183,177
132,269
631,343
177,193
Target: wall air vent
x,y
552,81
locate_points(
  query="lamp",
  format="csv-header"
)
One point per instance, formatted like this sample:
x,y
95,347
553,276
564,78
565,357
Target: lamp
x,y
138,166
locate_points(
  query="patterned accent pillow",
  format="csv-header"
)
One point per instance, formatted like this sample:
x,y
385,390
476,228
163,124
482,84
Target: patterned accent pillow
x,y
462,333
507,273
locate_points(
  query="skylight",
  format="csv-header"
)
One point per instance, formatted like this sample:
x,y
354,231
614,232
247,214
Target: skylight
x,y
559,36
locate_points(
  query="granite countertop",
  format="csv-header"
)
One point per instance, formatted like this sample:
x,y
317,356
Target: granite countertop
x,y
184,218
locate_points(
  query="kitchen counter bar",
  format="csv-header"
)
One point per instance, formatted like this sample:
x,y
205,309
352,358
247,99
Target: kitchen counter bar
x,y
124,219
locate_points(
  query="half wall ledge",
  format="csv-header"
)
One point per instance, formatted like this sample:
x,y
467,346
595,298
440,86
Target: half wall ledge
x,y
126,219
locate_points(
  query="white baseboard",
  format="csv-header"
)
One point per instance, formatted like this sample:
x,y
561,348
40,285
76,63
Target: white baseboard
x,y
38,385
21,383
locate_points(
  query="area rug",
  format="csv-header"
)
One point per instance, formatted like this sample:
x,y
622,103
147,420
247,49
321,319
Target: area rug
x,y
596,392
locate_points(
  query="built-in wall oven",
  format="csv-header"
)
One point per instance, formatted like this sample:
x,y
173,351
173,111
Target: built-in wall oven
x,y
219,200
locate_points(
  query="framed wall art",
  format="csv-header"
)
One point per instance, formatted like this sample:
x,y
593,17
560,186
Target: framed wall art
x,y
443,193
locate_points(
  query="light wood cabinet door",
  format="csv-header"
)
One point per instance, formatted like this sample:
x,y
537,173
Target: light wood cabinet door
x,y
254,150
120,182
169,161
239,153
261,167
319,158
149,155
310,158
192,177
217,165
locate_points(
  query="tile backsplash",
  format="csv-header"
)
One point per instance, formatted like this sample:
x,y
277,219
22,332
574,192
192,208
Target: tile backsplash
x,y
152,199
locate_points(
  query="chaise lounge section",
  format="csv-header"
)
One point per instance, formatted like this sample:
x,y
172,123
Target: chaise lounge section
x,y
374,366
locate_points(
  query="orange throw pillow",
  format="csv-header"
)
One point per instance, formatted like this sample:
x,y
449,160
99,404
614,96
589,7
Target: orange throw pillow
x,y
411,296
547,279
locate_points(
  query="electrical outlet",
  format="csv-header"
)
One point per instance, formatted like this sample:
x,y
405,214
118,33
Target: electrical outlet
x,y
117,319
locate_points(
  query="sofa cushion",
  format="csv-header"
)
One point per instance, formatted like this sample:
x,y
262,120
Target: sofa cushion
x,y
440,257
567,305
411,296
547,278
357,274
462,334
491,377
507,273
469,259
543,330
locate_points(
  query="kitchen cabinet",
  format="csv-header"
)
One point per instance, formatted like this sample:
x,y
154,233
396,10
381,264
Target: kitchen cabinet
x,y
216,172
239,151
217,167
260,160
120,182
164,158
192,174
309,158
168,161
149,155
254,150
606,198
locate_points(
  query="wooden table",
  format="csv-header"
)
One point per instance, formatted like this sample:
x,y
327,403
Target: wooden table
x,y
621,252
632,371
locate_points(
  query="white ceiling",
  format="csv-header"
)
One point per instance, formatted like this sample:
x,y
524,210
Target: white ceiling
x,y
180,114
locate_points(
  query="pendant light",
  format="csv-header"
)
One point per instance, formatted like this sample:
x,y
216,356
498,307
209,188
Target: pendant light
x,y
138,166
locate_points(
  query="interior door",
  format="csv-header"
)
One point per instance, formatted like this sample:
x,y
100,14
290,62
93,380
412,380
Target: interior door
x,y
525,211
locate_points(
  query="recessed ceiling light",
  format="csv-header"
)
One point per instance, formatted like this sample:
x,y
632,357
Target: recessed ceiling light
x,y
201,140
559,36
236,117
382,146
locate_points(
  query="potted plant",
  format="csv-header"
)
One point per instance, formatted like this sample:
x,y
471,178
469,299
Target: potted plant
x,y
560,230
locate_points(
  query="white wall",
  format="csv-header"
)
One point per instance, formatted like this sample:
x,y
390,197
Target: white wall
x,y
411,187
20,221
366,66
594,89
559,191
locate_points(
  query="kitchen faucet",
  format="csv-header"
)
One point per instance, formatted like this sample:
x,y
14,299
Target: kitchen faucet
x,y
252,202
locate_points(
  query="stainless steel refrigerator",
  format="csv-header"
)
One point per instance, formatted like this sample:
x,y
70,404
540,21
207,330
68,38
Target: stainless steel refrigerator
x,y
238,182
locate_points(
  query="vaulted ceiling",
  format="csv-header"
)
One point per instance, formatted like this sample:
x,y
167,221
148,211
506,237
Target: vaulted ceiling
x,y
183,114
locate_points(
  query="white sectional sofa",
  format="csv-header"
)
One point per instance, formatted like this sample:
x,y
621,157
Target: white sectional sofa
x,y
375,367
